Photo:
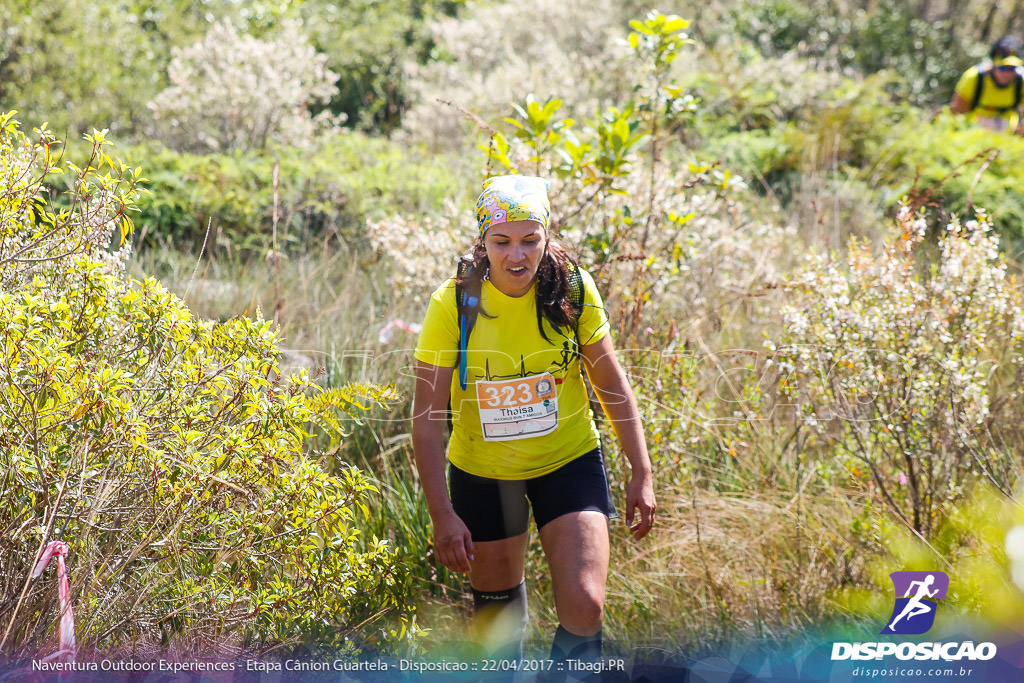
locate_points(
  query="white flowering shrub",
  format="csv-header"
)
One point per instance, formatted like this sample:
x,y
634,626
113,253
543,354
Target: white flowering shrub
x,y
896,357
496,53
232,91
421,251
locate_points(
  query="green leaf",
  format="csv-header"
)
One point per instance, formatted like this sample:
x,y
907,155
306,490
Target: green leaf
x,y
674,25
641,27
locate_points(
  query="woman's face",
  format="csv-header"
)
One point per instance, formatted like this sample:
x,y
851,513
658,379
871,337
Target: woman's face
x,y
1004,75
515,250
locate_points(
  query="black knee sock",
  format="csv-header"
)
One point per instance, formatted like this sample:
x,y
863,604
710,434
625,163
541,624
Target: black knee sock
x,y
501,618
568,645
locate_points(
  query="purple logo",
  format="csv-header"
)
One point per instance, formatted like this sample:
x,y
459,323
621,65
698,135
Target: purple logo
x,y
917,596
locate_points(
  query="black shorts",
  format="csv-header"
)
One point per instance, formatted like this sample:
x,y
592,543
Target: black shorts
x,y
494,509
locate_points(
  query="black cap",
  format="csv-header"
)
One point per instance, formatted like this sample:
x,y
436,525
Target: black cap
x,y
1004,47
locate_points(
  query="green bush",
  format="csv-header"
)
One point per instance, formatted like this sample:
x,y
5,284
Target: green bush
x,y
370,44
846,128
837,163
958,166
325,190
925,51
59,63
164,449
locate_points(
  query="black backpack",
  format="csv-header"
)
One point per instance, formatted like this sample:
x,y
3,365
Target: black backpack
x,y
468,307
1018,81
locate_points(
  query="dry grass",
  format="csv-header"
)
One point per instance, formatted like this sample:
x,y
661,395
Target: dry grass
x,y
718,570
330,304
722,566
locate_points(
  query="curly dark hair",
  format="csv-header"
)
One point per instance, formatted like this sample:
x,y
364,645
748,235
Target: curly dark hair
x,y
553,291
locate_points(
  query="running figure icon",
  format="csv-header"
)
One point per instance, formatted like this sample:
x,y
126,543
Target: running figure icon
x,y
916,606
917,596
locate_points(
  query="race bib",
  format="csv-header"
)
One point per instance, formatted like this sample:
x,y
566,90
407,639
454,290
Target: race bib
x,y
517,408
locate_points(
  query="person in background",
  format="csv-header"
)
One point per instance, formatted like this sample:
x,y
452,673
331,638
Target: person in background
x,y
522,431
991,91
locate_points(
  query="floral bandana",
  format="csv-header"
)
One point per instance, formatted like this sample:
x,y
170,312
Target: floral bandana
x,y
507,198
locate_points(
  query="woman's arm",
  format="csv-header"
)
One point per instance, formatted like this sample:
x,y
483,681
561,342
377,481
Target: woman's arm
x,y
453,543
959,105
612,387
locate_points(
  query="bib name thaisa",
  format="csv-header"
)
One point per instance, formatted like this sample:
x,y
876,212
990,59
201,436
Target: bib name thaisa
x,y
525,411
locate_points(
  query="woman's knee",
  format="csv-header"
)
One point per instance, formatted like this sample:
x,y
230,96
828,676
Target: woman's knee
x,y
582,611
590,616
498,565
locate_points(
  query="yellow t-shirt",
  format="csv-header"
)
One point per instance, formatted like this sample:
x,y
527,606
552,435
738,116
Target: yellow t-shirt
x,y
994,97
509,347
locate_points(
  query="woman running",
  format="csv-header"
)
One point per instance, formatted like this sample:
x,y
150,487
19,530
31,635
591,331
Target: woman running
x,y
500,356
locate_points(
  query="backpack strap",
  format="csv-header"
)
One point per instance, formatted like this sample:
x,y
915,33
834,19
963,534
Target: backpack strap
x,y
978,87
577,292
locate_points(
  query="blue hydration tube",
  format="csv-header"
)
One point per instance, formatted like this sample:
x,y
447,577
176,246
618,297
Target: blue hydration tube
x,y
467,303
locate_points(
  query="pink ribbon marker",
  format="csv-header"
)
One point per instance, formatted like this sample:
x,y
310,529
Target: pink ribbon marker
x,y
66,636
387,332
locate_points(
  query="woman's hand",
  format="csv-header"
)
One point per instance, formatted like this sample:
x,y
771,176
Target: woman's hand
x,y
453,543
612,388
640,498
